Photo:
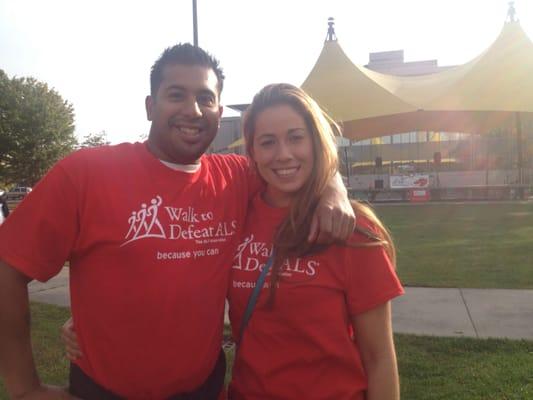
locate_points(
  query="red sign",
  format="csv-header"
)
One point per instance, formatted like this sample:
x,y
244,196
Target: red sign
x,y
418,195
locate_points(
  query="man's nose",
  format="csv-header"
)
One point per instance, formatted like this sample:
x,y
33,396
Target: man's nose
x,y
192,108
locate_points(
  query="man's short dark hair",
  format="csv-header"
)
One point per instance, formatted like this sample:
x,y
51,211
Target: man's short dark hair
x,y
184,54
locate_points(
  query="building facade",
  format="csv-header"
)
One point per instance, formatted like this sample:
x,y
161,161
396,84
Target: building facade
x,y
430,165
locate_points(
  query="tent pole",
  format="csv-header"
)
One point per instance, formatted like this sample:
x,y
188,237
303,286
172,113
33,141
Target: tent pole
x,y
471,152
347,162
519,155
487,156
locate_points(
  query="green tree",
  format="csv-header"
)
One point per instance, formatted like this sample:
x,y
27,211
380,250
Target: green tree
x,y
36,129
94,140
7,100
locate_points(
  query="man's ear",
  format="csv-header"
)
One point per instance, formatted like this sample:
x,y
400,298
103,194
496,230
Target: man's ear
x,y
149,103
220,110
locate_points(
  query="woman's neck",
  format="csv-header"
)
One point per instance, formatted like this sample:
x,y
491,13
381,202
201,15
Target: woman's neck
x,y
276,198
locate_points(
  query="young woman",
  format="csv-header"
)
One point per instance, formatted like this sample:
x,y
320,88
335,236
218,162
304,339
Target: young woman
x,y
321,327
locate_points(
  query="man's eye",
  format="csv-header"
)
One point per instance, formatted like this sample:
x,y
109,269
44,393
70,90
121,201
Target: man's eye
x,y
175,96
206,100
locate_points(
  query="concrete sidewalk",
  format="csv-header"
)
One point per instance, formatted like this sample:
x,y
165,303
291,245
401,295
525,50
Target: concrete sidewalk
x,y
480,313
55,291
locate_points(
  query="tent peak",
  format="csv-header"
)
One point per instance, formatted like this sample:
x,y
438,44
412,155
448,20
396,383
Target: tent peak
x,y
331,37
511,13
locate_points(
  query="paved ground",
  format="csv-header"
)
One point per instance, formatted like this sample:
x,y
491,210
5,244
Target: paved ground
x,y
55,291
478,313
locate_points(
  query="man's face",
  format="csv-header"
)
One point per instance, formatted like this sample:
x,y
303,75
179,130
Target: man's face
x,y
185,113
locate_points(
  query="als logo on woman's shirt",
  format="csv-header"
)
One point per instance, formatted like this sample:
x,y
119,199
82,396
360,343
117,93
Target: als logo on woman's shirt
x,y
252,256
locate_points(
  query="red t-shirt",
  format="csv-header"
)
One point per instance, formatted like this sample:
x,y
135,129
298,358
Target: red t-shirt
x,y
303,348
150,251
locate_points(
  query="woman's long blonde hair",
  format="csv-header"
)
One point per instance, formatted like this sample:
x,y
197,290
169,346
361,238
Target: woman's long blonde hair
x,y
290,239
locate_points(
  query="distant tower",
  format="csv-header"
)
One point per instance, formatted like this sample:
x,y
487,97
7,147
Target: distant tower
x,y
511,14
331,37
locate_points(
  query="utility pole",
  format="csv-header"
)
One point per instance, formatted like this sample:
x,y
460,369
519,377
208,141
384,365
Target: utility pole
x,y
195,23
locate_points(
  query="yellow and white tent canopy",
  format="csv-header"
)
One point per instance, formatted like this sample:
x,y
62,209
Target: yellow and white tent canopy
x,y
500,79
477,97
345,91
236,143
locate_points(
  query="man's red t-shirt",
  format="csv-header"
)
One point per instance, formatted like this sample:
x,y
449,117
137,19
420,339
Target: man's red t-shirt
x,y
303,347
150,252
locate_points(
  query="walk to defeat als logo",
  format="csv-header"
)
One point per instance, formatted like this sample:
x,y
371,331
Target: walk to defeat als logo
x,y
156,220
252,256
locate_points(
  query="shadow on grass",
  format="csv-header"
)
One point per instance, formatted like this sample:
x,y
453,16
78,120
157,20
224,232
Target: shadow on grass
x,y
431,368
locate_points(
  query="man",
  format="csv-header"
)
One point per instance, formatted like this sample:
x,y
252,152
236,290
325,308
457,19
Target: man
x,y
149,230
4,209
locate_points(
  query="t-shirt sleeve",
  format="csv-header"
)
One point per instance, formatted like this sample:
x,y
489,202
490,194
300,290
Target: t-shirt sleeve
x,y
253,181
39,234
371,278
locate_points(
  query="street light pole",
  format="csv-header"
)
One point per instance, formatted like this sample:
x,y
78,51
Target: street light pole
x,y
195,23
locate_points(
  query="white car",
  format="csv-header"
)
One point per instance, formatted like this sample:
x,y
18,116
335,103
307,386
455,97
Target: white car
x,y
18,193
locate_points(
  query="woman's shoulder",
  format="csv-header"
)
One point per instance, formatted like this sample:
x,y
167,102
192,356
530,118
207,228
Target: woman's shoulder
x,y
365,243
365,231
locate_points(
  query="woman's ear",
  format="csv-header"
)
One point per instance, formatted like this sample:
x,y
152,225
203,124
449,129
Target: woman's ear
x,y
251,157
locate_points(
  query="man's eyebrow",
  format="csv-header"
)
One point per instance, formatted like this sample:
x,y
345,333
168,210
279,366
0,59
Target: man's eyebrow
x,y
182,88
174,87
207,91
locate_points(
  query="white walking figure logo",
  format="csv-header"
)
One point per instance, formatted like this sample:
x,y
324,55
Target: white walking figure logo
x,y
141,226
241,247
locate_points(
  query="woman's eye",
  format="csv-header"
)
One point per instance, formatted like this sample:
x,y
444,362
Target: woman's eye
x,y
266,143
296,138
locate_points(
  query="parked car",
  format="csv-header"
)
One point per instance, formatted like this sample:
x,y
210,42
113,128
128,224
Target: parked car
x,y
18,193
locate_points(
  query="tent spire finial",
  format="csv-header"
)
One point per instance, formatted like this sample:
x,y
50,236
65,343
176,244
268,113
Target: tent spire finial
x,y
331,37
511,14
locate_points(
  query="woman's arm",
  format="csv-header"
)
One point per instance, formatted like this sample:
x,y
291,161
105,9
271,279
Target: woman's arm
x,y
70,340
373,332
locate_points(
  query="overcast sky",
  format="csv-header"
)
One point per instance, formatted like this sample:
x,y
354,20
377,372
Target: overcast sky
x,y
97,54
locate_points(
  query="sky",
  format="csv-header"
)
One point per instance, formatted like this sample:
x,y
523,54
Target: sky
x,y
97,54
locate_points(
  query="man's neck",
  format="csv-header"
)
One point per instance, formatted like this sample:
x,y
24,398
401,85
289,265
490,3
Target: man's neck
x,y
191,168
161,156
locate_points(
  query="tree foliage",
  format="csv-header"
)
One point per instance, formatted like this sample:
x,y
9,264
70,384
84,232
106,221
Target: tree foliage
x,y
94,140
36,129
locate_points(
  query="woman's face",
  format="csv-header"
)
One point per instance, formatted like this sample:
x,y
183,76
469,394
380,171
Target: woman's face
x,y
283,152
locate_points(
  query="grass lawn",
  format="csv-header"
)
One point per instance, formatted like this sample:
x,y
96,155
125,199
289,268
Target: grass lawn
x,y
51,365
430,368
463,245
464,368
